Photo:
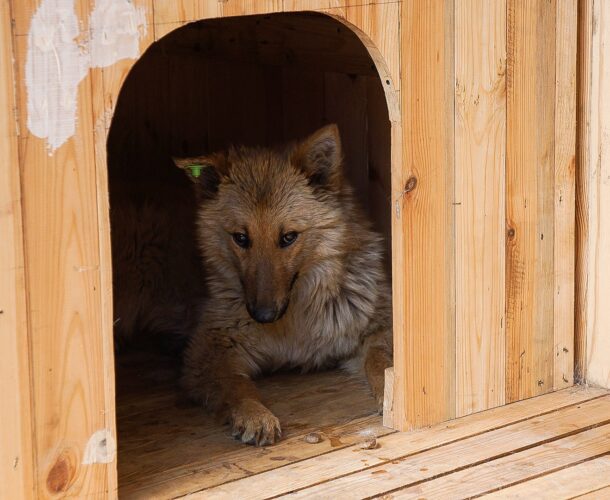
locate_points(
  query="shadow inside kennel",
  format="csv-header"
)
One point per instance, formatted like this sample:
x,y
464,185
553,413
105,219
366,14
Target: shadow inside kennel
x,y
257,81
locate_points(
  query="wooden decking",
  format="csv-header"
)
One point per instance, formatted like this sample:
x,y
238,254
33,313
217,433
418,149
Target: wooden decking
x,y
553,446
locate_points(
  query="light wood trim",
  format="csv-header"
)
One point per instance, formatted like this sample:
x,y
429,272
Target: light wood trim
x,y
530,180
480,157
17,453
388,398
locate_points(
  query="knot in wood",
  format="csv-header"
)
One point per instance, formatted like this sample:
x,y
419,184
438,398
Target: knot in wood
x,y
411,184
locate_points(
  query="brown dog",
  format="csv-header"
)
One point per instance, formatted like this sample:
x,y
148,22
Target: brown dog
x,y
295,278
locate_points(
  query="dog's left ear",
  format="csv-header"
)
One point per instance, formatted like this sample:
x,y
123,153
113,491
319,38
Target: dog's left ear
x,y
205,171
319,157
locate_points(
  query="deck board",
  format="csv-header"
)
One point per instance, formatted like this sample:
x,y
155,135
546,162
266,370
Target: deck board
x,y
556,445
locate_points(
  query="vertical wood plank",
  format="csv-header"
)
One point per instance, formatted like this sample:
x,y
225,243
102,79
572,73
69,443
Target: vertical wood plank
x,y
530,177
71,363
423,214
302,102
583,131
480,154
17,453
564,195
345,105
597,169
380,162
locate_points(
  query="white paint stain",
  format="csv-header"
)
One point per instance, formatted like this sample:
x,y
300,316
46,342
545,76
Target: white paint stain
x,y
60,55
116,27
55,65
100,449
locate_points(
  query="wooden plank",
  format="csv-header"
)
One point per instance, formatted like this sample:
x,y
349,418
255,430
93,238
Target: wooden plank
x,y
408,469
181,11
345,105
379,146
530,177
517,467
602,494
480,155
388,398
194,10
585,35
565,172
352,460
597,170
302,102
17,453
71,366
161,449
423,192
565,483
376,26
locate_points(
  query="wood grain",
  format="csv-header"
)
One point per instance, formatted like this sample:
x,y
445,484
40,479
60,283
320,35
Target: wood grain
x,y
198,452
564,196
597,169
423,192
407,469
570,482
530,177
585,33
17,454
70,360
393,448
480,156
518,467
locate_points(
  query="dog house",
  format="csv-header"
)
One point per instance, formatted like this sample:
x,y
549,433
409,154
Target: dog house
x,y
475,134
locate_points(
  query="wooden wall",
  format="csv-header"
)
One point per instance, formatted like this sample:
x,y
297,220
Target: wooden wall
x,y
481,103
593,207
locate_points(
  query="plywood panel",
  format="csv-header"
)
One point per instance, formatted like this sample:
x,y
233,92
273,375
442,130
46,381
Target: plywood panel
x,y
597,170
480,155
530,177
564,195
17,454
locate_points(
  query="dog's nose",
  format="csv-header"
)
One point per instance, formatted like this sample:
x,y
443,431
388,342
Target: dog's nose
x,y
264,314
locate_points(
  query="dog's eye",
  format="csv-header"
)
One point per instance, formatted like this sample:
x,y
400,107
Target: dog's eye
x,y
241,239
288,239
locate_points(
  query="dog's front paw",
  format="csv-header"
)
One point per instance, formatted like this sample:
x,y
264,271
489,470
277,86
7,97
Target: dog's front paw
x,y
255,424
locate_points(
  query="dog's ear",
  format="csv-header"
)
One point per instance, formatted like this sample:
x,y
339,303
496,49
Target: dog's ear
x,y
319,157
205,171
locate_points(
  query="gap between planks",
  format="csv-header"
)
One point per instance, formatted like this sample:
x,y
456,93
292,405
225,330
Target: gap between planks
x,y
331,467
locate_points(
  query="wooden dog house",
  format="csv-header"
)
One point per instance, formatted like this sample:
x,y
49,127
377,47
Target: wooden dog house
x,y
475,133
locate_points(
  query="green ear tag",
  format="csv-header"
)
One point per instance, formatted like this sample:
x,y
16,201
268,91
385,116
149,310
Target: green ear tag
x,y
195,170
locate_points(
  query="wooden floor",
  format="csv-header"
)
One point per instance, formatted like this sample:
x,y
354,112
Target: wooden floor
x,y
554,446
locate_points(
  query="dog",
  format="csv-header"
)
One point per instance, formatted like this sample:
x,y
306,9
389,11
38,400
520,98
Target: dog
x,y
295,278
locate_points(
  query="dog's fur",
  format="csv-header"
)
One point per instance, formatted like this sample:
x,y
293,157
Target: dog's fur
x,y
324,299
158,278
